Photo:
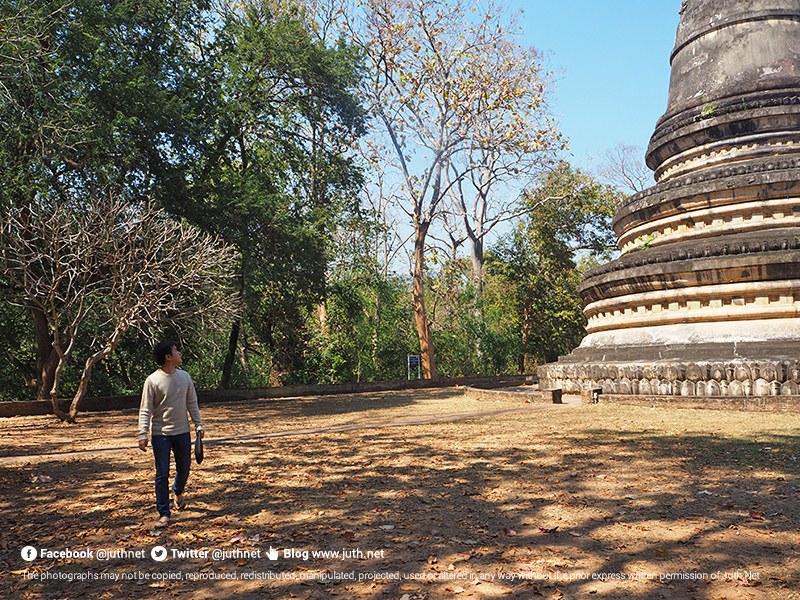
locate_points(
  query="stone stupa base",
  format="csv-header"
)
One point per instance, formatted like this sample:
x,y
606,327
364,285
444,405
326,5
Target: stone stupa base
x,y
690,370
704,300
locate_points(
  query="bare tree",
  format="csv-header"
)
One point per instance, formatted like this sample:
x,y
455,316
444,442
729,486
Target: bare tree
x,y
624,167
128,267
449,103
513,139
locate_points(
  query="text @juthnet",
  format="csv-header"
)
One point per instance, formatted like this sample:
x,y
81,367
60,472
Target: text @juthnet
x,y
160,554
286,557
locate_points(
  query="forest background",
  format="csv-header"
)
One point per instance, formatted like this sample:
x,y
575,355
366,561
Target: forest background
x,y
298,192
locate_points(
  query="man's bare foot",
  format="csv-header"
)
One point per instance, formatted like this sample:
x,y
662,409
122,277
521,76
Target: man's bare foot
x,y
162,522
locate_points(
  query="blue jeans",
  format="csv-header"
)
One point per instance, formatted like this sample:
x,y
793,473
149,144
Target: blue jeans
x,y
181,446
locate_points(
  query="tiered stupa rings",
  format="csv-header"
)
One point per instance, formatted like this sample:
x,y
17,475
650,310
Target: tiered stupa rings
x,y
734,86
708,283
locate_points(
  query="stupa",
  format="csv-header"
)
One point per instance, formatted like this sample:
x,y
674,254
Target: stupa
x,y
704,299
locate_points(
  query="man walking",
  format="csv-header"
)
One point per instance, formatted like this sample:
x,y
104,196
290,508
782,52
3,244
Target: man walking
x,y
168,399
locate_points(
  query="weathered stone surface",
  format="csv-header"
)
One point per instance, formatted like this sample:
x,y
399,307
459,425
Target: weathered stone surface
x,y
736,258
705,297
697,379
790,388
731,61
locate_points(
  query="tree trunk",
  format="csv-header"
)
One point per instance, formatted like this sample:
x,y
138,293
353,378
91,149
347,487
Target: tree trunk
x,y
322,316
418,303
30,380
233,341
83,386
476,254
95,358
376,324
47,363
527,328
233,338
46,356
277,371
62,360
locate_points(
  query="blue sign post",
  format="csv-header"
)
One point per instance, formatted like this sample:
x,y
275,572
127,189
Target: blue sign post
x,y
414,360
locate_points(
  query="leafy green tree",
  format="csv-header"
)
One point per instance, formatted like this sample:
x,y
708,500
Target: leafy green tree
x,y
500,335
362,331
271,175
350,343
452,299
567,231
97,94
237,118
94,99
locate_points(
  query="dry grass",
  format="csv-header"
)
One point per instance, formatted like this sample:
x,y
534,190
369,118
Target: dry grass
x,y
684,504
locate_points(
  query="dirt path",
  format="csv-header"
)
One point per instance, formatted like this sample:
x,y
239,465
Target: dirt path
x,y
268,410
412,496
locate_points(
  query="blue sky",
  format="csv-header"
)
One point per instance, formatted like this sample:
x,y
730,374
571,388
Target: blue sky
x,y
614,55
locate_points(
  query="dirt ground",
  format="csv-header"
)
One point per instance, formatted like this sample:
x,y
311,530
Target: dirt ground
x,y
597,501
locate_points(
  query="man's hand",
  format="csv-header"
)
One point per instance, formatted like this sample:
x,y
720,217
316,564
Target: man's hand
x,y
143,445
201,433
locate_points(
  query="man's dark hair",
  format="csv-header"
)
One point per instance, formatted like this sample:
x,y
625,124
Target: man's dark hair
x,y
162,349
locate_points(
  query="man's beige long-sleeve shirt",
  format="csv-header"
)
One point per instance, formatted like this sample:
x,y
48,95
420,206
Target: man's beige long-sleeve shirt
x,y
167,402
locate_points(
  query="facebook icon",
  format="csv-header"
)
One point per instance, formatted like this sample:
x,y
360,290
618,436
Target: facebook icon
x,y
29,553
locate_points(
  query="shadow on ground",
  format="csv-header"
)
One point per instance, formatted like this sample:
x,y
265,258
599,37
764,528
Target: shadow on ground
x,y
21,436
534,505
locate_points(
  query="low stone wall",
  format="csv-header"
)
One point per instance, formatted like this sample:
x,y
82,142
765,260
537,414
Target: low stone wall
x,y
740,403
730,378
14,409
526,396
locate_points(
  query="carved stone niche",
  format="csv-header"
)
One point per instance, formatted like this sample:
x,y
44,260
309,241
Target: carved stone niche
x,y
794,372
717,372
695,373
761,387
790,388
741,372
672,373
767,372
